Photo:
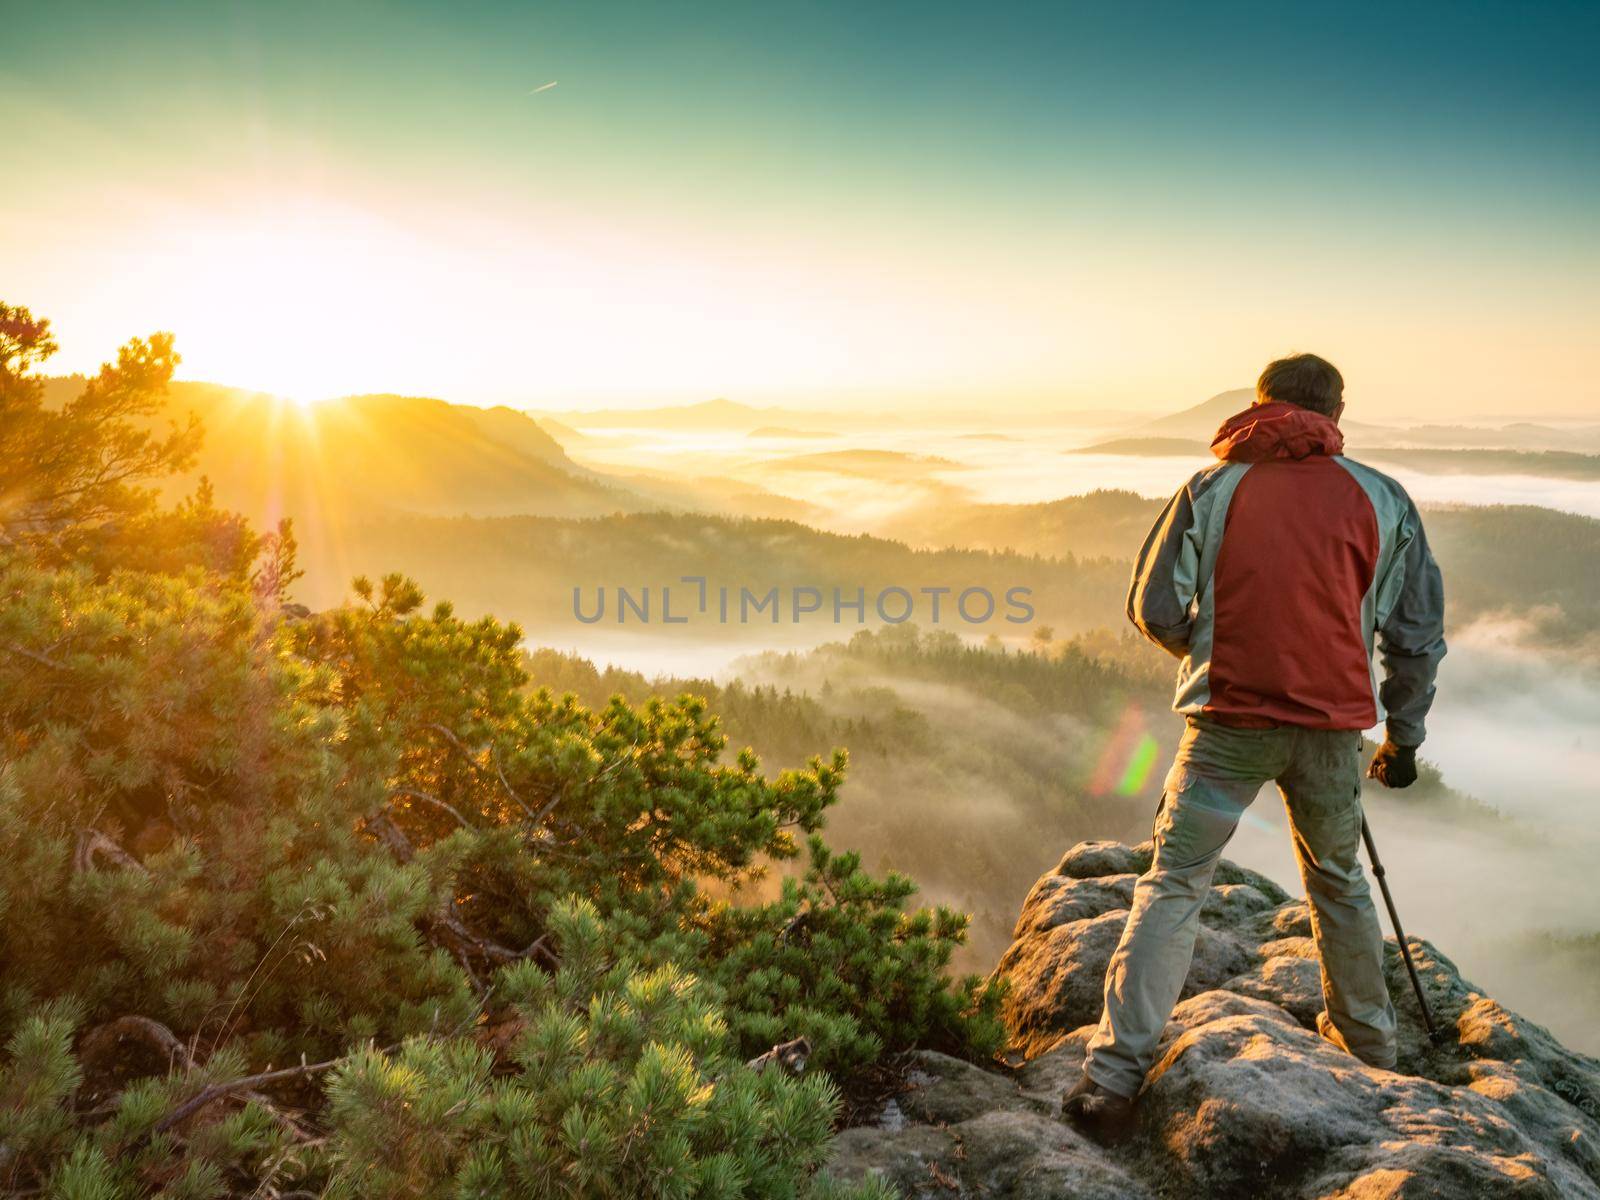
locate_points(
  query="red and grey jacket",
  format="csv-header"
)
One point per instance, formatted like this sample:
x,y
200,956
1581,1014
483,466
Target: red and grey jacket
x,y
1276,573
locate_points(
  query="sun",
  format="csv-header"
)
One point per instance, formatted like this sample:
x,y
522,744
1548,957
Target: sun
x,y
295,300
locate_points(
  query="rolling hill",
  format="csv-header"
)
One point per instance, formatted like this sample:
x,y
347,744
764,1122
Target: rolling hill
x,y
1148,447
1200,421
1103,524
526,569
359,455
339,462
1548,464
1522,561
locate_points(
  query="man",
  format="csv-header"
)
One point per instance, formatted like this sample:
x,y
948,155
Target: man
x,y
1272,575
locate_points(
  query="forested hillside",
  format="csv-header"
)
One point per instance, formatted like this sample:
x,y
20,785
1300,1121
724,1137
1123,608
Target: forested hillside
x,y
340,463
1101,524
1523,562
529,566
484,506
971,766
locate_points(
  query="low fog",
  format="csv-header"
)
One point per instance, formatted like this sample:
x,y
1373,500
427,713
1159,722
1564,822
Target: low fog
x,y
1500,876
1513,902
1021,466
979,809
983,800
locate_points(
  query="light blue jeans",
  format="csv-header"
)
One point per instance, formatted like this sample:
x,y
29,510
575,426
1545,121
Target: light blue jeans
x,y
1216,774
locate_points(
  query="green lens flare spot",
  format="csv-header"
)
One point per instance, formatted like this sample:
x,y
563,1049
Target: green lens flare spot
x,y
1137,773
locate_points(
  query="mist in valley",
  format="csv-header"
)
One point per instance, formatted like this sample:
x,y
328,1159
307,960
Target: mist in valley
x,y
1494,864
1022,464
973,774
975,798
1510,894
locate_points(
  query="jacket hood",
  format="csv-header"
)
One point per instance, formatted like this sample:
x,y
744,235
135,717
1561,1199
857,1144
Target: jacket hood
x,y
1273,430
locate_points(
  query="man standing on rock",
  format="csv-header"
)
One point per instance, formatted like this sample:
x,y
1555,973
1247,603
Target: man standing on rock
x,y
1274,575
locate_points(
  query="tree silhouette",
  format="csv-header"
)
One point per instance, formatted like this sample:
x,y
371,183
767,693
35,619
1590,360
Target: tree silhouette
x,y
66,470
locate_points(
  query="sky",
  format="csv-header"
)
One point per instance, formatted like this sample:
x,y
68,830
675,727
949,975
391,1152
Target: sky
x,y
1012,207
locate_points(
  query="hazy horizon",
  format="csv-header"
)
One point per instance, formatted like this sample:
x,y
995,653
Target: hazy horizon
x,y
626,206
947,407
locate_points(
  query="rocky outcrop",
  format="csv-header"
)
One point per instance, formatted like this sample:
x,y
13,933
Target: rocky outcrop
x,y
1245,1099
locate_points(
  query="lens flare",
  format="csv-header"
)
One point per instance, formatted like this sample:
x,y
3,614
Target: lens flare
x,y
1140,762
1129,756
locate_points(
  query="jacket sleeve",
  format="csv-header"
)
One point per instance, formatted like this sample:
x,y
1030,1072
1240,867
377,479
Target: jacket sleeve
x,y
1162,593
1411,638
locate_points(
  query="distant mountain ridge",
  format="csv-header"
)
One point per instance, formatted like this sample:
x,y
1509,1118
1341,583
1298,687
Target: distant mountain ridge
x,y
341,461
1148,447
1548,464
1201,421
384,453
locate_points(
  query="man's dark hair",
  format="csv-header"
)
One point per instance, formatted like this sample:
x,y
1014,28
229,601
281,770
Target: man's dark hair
x,y
1302,379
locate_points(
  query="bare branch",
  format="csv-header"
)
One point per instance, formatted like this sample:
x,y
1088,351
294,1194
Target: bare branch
x,y
93,844
432,801
216,1091
41,659
789,1057
464,942
103,1040
462,938
472,758
387,832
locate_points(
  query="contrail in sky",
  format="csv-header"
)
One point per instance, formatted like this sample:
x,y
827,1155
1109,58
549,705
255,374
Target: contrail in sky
x,y
543,87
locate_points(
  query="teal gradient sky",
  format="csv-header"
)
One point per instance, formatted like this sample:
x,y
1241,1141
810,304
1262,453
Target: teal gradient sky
x,y
1045,206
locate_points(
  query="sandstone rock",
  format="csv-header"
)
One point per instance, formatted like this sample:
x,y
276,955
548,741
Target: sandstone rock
x,y
1094,860
1061,899
1097,860
1288,975
1068,928
1245,1100
976,1134
1056,979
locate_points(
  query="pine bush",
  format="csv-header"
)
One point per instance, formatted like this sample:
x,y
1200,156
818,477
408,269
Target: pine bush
x,y
343,904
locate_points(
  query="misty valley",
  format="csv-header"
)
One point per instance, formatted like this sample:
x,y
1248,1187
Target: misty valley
x,y
979,748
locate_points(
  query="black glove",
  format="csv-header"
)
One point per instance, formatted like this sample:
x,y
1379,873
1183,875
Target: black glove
x,y
1394,766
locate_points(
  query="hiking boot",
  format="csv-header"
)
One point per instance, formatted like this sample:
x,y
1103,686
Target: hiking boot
x,y
1099,1112
1330,1033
